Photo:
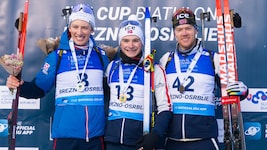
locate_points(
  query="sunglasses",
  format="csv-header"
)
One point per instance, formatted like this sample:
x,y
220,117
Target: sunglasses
x,y
130,22
84,8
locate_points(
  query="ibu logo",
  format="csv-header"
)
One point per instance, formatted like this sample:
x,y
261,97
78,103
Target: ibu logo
x,y
252,130
3,127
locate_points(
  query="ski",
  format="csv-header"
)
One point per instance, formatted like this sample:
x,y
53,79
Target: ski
x,y
147,92
13,115
148,63
232,116
238,138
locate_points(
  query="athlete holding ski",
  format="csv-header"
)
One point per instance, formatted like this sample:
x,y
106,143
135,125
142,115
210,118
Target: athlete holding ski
x,y
191,72
126,81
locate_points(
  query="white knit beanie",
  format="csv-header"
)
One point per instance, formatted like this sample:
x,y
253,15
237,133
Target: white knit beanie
x,y
126,28
82,12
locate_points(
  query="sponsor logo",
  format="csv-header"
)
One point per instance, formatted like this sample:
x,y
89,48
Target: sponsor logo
x,y
3,128
21,129
24,129
256,97
252,130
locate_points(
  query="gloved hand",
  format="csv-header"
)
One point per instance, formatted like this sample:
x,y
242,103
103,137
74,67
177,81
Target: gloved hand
x,y
237,88
148,141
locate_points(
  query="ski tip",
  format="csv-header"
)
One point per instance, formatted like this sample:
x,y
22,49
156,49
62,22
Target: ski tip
x,y
147,13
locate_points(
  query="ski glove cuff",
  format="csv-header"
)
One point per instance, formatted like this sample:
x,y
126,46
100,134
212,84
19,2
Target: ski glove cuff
x,y
237,88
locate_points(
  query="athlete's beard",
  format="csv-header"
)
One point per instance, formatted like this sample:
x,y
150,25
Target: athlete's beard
x,y
187,50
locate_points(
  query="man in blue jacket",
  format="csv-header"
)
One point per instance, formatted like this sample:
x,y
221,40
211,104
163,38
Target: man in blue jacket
x,y
76,68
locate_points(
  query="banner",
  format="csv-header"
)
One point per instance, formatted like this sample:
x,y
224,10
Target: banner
x,y
45,20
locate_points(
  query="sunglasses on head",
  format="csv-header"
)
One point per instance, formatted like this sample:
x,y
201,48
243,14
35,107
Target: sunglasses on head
x,y
130,22
84,8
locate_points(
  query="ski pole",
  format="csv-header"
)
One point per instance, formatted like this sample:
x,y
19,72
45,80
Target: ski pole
x,y
13,115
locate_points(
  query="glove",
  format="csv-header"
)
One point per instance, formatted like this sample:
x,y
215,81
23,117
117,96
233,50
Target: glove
x,y
237,88
148,141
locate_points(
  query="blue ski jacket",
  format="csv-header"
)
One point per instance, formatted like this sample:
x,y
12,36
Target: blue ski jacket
x,y
78,114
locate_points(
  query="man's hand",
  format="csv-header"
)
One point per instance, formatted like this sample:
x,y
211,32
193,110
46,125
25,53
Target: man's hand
x,y
12,82
237,88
